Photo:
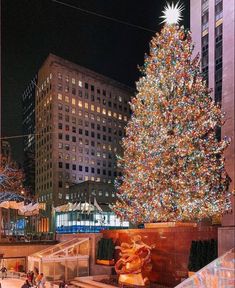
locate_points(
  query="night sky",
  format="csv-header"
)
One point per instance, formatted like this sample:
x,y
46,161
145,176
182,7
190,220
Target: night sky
x,y
31,29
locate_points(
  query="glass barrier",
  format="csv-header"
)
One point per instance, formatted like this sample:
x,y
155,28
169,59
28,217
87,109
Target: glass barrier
x,y
218,274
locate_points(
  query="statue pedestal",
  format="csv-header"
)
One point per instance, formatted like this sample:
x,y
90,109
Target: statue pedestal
x,y
132,279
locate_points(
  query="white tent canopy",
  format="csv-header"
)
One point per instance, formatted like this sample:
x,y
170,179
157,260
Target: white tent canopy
x,y
83,207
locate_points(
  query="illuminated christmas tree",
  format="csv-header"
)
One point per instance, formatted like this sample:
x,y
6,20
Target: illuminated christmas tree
x,y
173,164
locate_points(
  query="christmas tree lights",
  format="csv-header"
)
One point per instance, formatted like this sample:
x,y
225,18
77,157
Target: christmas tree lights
x,y
173,164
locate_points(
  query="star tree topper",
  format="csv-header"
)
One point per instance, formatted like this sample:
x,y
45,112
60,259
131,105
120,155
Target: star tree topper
x,y
172,14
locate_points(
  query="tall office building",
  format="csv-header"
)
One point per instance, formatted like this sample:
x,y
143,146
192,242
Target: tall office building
x,y
28,104
80,120
213,31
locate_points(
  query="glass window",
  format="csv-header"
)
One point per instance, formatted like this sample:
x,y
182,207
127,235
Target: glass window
x,y
67,147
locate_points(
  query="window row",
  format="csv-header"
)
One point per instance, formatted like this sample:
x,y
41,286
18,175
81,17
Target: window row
x,y
112,103
87,123
92,108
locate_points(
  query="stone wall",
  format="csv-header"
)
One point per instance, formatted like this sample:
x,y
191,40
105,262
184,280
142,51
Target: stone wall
x,y
172,246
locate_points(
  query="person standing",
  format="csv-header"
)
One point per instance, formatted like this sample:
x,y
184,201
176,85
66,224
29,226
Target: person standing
x,y
26,284
42,283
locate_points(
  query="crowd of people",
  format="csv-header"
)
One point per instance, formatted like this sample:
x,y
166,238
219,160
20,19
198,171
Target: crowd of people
x,y
34,279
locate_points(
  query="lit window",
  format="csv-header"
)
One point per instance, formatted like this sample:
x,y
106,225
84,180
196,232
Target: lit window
x,y
104,111
92,107
92,178
109,113
80,113
60,96
86,178
115,115
98,118
86,105
92,117
66,157
106,194
86,115
50,75
80,103
73,81
120,98
120,117
125,118
98,180
67,99
67,78
73,110
73,101
98,109
80,83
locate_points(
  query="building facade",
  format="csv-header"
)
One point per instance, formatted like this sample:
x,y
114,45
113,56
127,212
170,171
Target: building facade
x,y
6,151
213,31
28,104
80,119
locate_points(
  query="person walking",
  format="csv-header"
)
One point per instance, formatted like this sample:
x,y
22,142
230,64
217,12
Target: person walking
x,y
4,272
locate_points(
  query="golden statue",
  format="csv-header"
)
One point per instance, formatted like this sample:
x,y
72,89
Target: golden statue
x,y
134,262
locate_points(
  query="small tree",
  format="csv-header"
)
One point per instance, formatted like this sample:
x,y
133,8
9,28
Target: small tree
x,y
11,178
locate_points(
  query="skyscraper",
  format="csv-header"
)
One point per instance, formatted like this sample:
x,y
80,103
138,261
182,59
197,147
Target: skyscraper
x,y
80,120
213,31
28,104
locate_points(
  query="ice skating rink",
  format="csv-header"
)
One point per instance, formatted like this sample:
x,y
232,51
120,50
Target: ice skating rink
x,y
11,283
14,283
